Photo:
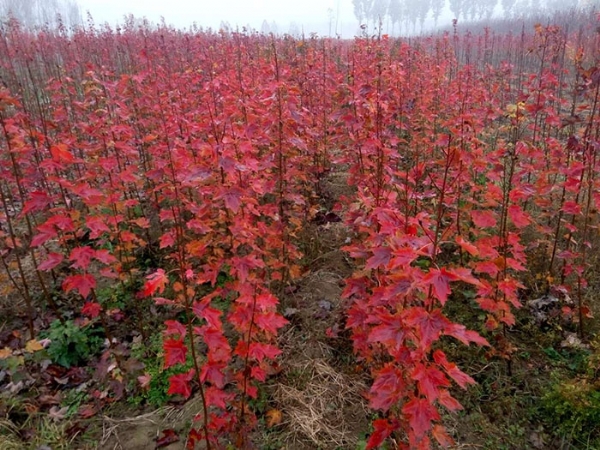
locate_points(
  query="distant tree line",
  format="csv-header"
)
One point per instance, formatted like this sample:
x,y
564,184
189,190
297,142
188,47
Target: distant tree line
x,y
405,15
40,13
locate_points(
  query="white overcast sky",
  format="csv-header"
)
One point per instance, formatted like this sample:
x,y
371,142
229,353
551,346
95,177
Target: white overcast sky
x,y
309,15
183,13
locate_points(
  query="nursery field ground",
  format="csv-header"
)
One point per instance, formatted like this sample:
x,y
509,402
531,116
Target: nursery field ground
x,y
317,400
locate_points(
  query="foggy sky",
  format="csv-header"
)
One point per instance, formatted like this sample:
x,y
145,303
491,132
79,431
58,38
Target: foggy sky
x,y
210,13
309,15
325,17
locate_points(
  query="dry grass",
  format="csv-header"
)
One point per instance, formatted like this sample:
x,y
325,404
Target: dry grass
x,y
9,438
321,405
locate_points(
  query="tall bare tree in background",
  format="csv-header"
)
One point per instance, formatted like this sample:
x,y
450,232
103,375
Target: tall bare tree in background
x,y
395,9
379,10
436,10
39,13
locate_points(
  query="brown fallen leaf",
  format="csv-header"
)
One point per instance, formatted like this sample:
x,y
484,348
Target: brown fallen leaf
x,y
273,418
144,381
33,346
86,411
49,400
57,413
168,437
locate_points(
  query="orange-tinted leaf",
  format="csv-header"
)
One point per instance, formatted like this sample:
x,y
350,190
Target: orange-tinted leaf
x,y
440,435
33,346
449,402
273,417
61,154
467,246
155,282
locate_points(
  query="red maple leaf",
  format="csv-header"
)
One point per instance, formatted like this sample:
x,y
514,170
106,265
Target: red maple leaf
x,y
440,280
258,373
420,415
213,372
270,322
180,383
382,429
260,351
51,261
175,328
62,222
167,240
461,333
381,256
175,352
217,397
429,326
266,302
46,232
242,265
232,199
91,309
429,380
82,256
105,257
461,378
403,257
96,226
83,283
38,202
448,401
391,331
218,346
519,217
571,207
211,315
483,219
388,388
464,274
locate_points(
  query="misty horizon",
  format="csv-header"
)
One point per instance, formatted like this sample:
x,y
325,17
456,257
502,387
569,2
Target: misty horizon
x,y
341,18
